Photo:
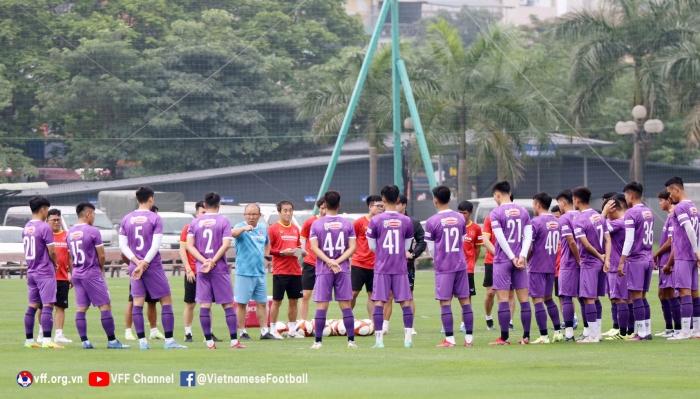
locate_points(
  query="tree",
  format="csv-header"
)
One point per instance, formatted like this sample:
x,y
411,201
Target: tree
x,y
10,157
681,66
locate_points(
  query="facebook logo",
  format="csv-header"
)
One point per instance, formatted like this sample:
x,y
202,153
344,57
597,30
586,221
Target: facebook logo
x,y
188,378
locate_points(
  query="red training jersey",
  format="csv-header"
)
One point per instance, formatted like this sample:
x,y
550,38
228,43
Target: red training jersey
x,y
488,233
472,239
284,237
59,240
558,261
363,256
183,242
310,258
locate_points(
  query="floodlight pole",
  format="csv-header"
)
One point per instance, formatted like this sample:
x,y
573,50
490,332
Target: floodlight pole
x,y
396,94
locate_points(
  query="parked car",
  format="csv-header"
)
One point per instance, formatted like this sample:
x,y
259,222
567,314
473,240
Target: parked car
x,y
484,206
173,223
11,240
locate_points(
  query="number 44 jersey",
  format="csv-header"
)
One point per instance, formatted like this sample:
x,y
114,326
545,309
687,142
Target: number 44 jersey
x,y
546,232
446,230
641,219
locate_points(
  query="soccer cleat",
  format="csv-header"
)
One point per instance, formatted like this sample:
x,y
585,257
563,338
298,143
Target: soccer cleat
x,y
297,336
665,334
379,345
213,338
129,336
588,340
569,339
489,325
445,344
636,337
244,337
275,334
157,335
615,337
88,345
558,337
575,322
540,340
144,346
174,345
213,346
697,335
679,336
50,345
62,340
581,337
316,345
499,341
117,345
32,345
413,332
462,328
237,346
352,345
511,327
188,337
524,341
385,332
408,345
468,343
649,337
611,332
267,335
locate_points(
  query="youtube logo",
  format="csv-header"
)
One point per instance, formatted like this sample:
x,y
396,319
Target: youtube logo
x,y
98,379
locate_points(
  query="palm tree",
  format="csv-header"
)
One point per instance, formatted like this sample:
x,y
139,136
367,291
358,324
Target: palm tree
x,y
681,67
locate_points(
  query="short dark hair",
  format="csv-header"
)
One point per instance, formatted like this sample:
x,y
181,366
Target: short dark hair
x,y
675,180
38,202
54,212
199,204
369,199
502,187
635,187
442,194
212,199
390,193
465,206
143,194
320,202
544,199
567,195
283,203
555,208
582,193
332,199
403,199
608,195
81,207
663,194
511,196
154,209
620,201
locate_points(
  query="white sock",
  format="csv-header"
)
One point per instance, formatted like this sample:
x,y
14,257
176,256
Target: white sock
x,y
59,332
450,339
41,333
408,334
293,327
599,325
242,331
210,343
379,337
30,340
128,331
263,330
587,330
188,330
143,341
569,332
234,342
87,341
686,325
489,317
273,327
696,324
113,341
154,330
468,338
385,325
169,340
640,328
511,321
461,325
647,326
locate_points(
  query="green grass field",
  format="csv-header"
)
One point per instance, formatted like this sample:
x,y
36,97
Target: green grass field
x,y
641,369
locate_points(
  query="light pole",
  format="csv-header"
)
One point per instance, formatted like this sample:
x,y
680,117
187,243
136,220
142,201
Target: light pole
x,y
643,130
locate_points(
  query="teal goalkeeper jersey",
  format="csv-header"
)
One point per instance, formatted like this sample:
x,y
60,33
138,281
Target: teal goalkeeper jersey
x,y
250,251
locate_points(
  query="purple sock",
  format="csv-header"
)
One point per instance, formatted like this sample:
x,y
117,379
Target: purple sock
x,y
638,308
504,318
590,313
598,309
526,318
349,323
447,320
696,307
137,317
231,322
647,309
567,308
81,325
582,304
468,318
541,317
630,319
29,316
320,321
47,320
108,324
168,320
378,317
553,313
623,317
205,321
613,311
666,310
407,317
686,307
675,307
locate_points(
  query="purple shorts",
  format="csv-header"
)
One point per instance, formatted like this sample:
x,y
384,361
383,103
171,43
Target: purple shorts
x,y
153,281
592,283
449,284
541,285
214,288
685,274
506,277
41,290
665,280
569,282
327,284
617,286
396,283
91,291
639,275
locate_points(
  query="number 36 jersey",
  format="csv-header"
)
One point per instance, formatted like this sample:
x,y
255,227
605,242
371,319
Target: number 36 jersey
x,y
333,234
392,232
446,229
641,219
139,227
546,232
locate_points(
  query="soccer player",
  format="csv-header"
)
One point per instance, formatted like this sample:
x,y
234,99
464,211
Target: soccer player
x,y
208,239
614,210
362,270
473,241
444,232
286,271
63,274
140,234
513,232
590,230
670,305
416,249
333,241
613,306
546,233
489,242
252,253
570,266
394,234
685,257
308,272
85,245
555,211
40,254
637,259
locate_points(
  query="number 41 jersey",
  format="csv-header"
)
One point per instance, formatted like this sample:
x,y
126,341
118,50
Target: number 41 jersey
x,y
640,218
391,230
546,232
446,229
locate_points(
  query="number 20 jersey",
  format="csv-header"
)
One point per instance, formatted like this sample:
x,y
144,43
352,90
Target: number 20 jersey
x,y
446,229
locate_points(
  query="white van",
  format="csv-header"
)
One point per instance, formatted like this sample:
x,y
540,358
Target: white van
x,y
19,216
173,223
484,206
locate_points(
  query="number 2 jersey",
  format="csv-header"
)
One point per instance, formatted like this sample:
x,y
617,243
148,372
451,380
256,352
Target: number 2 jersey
x,y
333,234
209,232
446,230
512,219
391,231
640,218
139,227
546,232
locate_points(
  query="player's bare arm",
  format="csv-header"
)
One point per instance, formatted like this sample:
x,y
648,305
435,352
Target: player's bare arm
x,y
489,246
52,255
668,267
574,248
101,257
352,246
608,250
590,249
225,245
319,253
664,248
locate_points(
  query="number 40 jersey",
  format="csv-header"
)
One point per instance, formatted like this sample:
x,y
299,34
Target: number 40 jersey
x,y
546,232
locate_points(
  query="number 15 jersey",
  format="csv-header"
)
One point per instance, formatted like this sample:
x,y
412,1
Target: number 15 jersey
x,y
446,229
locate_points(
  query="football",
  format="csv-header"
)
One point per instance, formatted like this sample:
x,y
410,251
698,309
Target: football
x,y
328,329
282,328
339,328
364,327
305,328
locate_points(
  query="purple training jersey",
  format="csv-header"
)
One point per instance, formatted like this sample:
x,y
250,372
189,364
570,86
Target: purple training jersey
x,y
390,230
37,236
591,225
139,227
567,220
665,236
333,234
511,219
640,218
209,232
447,229
546,234
684,212
616,228
83,240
